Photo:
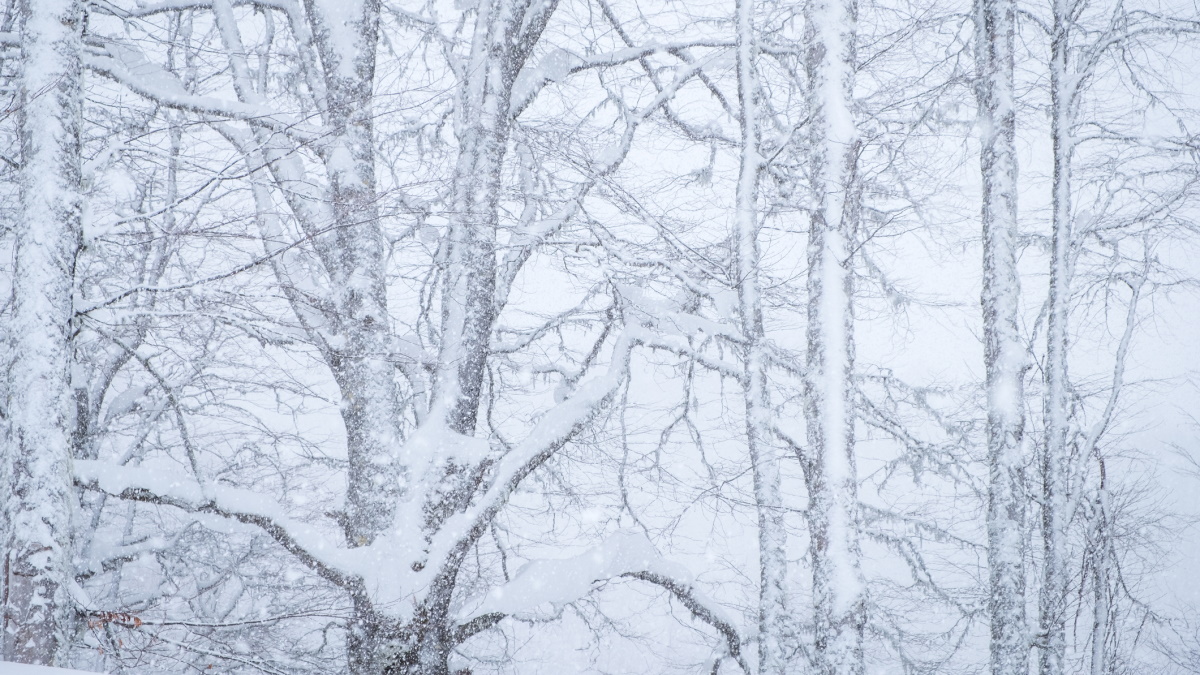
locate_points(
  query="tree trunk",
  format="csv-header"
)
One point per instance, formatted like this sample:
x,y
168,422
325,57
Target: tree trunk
x,y
1101,605
353,327
469,305
37,564
1056,459
772,535
838,588
378,645
1004,356
504,36
361,360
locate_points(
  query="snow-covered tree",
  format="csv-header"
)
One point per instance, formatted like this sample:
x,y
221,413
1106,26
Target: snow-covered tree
x,y
1005,356
38,604
507,336
839,592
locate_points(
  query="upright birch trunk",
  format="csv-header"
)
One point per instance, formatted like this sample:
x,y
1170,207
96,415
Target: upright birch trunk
x,y
838,588
772,537
37,562
1055,459
1004,356
468,303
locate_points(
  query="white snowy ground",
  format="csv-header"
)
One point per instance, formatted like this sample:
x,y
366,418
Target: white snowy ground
x,y
7,668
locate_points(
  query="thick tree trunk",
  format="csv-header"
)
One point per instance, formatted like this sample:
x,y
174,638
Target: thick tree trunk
x,y
772,535
378,645
1004,356
351,324
838,586
37,563
1055,458
361,360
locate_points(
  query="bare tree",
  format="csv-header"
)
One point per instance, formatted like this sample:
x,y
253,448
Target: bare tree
x,y
1085,41
443,337
430,498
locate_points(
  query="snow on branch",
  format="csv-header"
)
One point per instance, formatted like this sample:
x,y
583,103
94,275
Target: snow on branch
x,y
25,669
128,66
552,584
560,63
151,486
701,607
146,9
542,584
555,428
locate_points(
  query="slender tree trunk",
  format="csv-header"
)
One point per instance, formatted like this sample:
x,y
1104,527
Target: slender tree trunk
x,y
37,563
468,301
838,587
1056,460
1101,606
349,319
772,536
1004,356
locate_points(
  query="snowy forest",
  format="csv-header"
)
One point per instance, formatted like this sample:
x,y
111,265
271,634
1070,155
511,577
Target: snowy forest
x,y
465,337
